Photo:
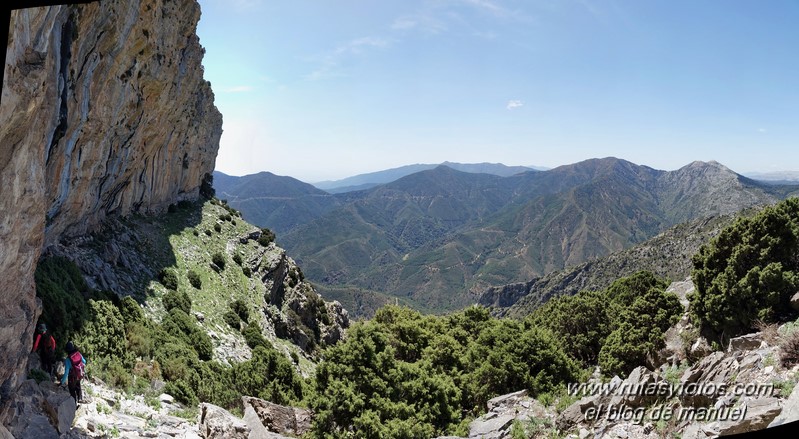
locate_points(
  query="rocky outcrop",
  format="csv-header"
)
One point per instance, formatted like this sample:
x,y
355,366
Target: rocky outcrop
x,y
218,423
105,112
265,416
506,295
41,410
295,310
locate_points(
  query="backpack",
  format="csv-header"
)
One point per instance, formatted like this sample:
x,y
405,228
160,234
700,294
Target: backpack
x,y
78,369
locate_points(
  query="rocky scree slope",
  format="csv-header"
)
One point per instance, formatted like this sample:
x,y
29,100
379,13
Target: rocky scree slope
x,y
105,112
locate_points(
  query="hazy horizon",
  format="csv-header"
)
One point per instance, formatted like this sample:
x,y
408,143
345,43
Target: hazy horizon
x,y
327,91
786,173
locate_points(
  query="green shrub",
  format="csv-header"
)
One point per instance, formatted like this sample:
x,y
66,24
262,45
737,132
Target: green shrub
x,y
194,279
103,333
131,311
237,259
60,285
253,337
182,392
206,186
195,232
168,279
232,319
268,375
267,237
247,271
432,373
218,228
178,324
618,328
582,321
748,272
240,308
219,260
177,299
208,232
140,340
113,372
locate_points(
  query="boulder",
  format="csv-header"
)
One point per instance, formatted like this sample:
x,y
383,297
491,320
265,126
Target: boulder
x,y
36,426
506,401
218,423
746,342
701,348
759,414
275,418
790,409
491,426
61,407
576,413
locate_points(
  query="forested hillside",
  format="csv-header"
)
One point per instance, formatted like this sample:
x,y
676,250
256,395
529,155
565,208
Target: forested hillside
x,y
439,238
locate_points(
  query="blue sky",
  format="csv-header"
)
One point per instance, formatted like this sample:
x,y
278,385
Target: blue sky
x,y
328,89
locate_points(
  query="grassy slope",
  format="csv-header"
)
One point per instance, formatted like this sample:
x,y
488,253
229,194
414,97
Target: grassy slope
x,y
190,252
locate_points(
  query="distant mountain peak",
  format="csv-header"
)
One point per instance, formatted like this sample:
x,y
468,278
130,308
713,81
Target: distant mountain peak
x,y
710,166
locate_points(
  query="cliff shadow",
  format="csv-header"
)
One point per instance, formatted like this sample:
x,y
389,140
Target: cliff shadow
x,y
125,256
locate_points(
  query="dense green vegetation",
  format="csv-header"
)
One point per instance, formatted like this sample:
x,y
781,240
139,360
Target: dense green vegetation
x,y
126,349
403,374
749,272
617,327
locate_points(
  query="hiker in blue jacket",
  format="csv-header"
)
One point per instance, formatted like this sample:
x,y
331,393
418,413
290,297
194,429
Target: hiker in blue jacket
x,y
74,371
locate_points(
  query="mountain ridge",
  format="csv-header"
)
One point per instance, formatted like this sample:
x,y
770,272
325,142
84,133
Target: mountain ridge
x,y
278,202
543,221
372,179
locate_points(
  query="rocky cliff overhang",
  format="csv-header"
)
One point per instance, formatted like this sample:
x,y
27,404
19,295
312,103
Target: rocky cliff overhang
x,y
104,112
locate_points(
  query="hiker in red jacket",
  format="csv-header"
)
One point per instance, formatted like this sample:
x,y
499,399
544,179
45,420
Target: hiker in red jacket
x,y
74,371
44,344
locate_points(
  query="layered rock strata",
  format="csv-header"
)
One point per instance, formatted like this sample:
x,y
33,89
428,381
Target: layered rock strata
x,y
104,112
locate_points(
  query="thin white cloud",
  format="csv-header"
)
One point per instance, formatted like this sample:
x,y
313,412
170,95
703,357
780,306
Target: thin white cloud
x,y
514,104
404,23
761,130
421,21
239,89
358,45
487,5
330,64
242,5
499,11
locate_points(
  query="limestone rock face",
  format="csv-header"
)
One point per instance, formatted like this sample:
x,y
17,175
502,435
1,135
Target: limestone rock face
x,y
104,112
